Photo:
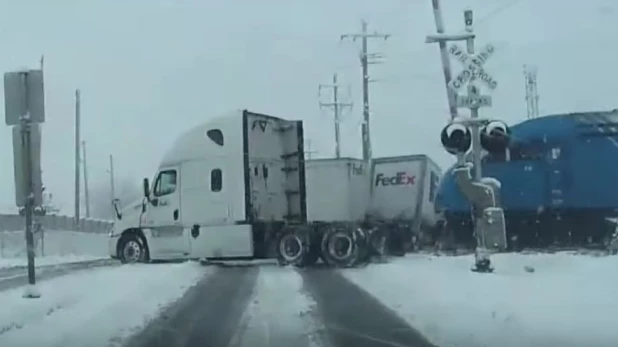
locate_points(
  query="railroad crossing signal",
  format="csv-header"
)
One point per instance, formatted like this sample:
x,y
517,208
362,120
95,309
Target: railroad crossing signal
x,y
473,67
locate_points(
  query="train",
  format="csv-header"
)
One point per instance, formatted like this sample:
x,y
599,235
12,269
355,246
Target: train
x,y
558,176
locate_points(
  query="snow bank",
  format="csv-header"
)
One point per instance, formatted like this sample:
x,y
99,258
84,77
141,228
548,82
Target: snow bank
x,y
569,300
93,308
53,247
278,307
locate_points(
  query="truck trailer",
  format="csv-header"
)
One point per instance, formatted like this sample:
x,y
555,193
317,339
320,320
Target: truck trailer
x,y
235,188
403,191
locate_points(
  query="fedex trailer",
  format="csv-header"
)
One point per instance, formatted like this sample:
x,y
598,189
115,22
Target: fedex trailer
x,y
403,192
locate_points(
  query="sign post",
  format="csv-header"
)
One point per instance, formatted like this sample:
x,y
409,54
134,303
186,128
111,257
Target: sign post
x,y
25,111
472,72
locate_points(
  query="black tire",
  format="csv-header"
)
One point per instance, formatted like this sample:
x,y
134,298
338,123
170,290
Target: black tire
x,y
131,249
345,257
292,247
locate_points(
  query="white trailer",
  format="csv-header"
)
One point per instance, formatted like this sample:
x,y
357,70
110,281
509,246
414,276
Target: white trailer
x,y
337,189
403,191
234,188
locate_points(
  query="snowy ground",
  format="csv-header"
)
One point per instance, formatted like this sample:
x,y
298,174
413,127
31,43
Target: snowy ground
x,y
569,300
94,308
53,247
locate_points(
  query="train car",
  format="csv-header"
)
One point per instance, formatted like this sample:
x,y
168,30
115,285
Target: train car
x,y
558,179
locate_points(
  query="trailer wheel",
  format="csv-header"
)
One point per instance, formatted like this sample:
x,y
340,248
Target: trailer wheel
x,y
292,247
339,247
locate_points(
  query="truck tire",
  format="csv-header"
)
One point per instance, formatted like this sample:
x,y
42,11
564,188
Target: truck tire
x,y
339,247
131,249
292,247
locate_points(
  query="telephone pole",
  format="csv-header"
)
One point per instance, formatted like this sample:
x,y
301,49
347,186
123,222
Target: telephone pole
x,y
308,151
532,95
77,161
86,195
366,58
111,177
337,107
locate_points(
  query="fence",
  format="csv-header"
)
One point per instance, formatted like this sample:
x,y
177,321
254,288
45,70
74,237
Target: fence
x,y
12,222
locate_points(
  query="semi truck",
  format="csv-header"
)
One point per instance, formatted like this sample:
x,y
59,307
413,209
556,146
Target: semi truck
x,y
239,187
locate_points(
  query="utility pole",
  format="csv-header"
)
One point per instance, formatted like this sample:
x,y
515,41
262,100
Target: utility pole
x,y
532,95
111,180
308,151
77,154
337,107
366,58
446,62
86,195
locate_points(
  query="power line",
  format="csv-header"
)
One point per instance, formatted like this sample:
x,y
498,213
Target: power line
x,y
337,107
366,58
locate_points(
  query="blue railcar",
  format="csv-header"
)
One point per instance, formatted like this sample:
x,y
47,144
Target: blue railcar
x,y
559,182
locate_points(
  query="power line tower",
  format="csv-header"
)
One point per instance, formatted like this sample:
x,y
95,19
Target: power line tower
x,y
337,107
532,95
366,58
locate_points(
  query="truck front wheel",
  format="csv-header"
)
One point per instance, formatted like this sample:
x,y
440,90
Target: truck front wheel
x,y
131,249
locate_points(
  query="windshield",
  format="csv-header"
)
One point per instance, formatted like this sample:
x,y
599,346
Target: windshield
x,y
319,173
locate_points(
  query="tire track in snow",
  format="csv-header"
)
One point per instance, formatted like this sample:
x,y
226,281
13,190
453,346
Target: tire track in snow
x,y
280,313
208,315
352,317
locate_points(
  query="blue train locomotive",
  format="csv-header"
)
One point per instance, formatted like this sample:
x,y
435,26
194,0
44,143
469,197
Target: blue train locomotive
x,y
559,182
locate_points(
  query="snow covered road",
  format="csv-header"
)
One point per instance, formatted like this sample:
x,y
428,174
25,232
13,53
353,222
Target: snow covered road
x,y
93,308
272,306
568,300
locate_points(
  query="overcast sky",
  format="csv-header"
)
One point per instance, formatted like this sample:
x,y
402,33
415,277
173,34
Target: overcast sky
x,y
149,69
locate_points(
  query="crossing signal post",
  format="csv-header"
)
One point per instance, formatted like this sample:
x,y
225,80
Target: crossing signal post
x,y
25,112
472,135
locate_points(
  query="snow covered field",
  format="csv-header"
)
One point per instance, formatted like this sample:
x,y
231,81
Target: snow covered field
x,y
55,247
569,300
86,308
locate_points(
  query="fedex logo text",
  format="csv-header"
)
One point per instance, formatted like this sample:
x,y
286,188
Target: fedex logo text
x,y
400,179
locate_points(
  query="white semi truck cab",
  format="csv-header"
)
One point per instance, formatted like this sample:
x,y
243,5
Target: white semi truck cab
x,y
230,188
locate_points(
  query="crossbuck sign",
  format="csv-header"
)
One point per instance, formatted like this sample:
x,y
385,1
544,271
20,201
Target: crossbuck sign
x,y
473,67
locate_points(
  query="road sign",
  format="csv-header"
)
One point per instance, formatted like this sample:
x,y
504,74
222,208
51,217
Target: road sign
x,y
19,165
23,94
473,67
473,101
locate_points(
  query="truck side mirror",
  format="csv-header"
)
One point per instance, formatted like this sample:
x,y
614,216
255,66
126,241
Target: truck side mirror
x,y
146,185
